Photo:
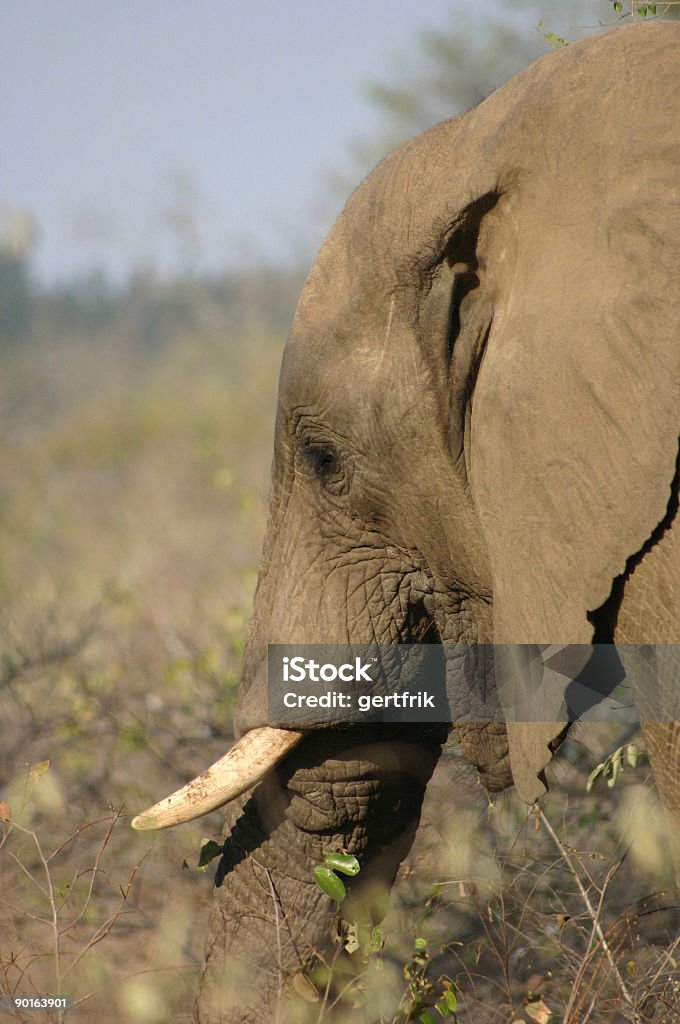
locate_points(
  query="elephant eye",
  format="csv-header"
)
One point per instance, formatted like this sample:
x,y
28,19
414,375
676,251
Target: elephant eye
x,y
322,458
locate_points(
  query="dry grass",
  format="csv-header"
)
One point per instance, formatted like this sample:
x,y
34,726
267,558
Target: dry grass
x,y
566,914
132,505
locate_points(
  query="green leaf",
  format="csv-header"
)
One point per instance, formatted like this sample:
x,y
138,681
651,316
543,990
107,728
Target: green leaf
x,y
451,998
329,882
375,943
632,755
420,945
651,8
618,7
343,862
613,768
442,1009
594,775
538,1011
554,39
427,1018
209,850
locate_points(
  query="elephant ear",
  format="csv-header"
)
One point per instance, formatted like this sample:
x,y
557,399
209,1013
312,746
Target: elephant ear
x,y
563,344
575,414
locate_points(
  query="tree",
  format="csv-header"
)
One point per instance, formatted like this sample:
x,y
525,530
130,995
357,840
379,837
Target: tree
x,y
17,237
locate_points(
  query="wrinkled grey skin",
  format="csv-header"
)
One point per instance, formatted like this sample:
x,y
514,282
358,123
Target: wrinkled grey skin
x,y
476,441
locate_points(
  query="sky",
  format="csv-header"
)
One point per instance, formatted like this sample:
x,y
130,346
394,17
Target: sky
x,y
163,134
167,135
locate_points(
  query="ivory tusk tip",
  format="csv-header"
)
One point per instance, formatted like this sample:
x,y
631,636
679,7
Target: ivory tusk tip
x,y
145,822
246,764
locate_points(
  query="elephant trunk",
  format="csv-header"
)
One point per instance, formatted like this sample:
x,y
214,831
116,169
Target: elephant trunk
x,y
269,921
357,790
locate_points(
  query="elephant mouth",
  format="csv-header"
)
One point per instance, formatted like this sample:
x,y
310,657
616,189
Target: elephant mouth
x,y
246,764
252,757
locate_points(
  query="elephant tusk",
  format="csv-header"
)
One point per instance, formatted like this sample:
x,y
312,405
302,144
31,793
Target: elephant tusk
x,y
247,762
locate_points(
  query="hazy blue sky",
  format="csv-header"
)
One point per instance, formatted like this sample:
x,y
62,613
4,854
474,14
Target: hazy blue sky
x,y
115,117
127,123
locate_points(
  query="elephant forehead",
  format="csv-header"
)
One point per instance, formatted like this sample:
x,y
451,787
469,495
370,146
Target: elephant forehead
x,y
367,332
373,251
373,372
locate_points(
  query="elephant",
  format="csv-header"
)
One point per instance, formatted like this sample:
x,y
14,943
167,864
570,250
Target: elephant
x,y
476,443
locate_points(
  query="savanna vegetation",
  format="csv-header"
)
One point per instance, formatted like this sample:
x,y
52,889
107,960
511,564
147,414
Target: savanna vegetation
x,y
135,440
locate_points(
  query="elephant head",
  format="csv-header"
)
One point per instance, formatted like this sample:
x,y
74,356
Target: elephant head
x,y
476,443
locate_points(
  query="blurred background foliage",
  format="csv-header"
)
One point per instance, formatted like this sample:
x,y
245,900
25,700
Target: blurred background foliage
x,y
136,429
136,423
